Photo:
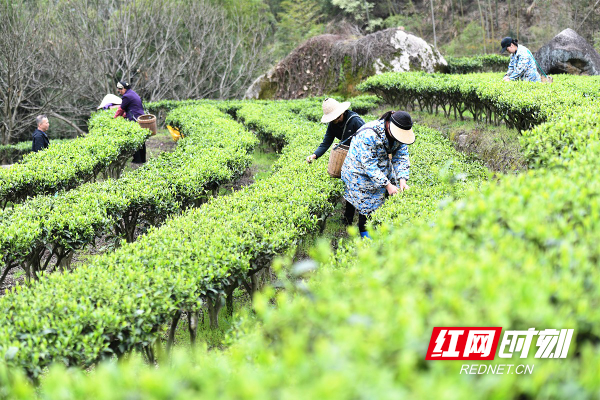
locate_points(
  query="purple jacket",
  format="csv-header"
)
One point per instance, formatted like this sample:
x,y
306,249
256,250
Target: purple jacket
x,y
132,105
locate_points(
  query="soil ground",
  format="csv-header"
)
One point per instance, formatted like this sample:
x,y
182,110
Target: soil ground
x,y
155,145
497,146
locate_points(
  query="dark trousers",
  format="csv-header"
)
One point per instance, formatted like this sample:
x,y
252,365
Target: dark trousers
x,y
349,217
139,157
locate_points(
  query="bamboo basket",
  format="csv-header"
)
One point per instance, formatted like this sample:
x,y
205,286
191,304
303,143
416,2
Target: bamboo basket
x,y
336,160
148,121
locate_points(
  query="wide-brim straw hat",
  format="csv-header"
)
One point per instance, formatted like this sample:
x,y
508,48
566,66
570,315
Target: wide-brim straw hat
x,y
332,109
108,99
401,127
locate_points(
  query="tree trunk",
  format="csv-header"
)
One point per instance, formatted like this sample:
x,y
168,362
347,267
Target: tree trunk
x,y
493,36
433,24
518,5
509,15
496,14
69,122
193,325
482,25
172,330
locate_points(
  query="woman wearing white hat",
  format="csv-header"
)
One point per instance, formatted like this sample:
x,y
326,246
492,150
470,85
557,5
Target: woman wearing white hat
x,y
377,163
342,124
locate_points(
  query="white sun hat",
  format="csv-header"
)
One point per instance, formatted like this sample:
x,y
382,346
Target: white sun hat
x,y
332,109
108,99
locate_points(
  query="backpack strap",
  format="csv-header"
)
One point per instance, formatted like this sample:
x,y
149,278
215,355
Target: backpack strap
x,y
344,130
536,63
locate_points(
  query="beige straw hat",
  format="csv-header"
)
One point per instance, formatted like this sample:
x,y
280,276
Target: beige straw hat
x,y
333,109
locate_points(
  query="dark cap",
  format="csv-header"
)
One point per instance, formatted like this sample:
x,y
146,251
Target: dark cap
x,y
123,85
507,41
401,127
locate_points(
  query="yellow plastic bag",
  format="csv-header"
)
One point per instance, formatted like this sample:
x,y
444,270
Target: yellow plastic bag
x,y
175,134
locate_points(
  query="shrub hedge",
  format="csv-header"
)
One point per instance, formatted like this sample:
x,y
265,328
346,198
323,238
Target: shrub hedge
x,y
518,252
9,154
483,63
118,301
439,174
12,153
555,120
512,254
105,149
42,233
142,285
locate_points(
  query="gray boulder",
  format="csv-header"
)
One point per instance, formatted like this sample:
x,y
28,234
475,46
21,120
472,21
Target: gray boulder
x,y
569,53
335,64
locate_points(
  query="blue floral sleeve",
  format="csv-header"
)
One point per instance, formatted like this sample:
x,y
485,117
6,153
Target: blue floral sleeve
x,y
520,68
369,159
511,67
401,163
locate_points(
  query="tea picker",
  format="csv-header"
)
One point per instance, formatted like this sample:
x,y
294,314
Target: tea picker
x,y
342,124
377,164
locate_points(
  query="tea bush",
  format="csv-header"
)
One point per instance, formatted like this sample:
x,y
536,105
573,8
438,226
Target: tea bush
x,y
117,302
519,252
483,63
42,233
556,120
12,153
73,162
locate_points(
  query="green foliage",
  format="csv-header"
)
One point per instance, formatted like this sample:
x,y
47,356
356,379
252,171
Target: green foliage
x,y
468,42
568,106
120,299
517,252
511,254
298,20
439,174
360,11
312,110
65,166
13,153
482,63
411,23
541,34
214,151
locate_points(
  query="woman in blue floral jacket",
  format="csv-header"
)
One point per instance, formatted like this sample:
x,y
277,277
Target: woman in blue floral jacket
x,y
377,163
522,65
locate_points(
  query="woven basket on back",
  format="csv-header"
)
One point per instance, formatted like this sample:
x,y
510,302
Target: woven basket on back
x,y
336,160
148,121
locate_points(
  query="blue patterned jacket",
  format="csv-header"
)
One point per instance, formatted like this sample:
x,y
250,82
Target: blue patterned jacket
x,y
367,169
522,66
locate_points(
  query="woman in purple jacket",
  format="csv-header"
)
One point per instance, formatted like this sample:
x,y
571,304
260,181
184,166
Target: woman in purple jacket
x,y
132,107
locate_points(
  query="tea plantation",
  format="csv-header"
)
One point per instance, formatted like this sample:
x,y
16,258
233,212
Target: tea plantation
x,y
461,248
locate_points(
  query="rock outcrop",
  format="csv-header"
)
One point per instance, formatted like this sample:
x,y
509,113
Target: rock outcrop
x,y
336,64
569,53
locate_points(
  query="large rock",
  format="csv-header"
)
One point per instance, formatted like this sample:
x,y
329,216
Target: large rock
x,y
569,53
336,64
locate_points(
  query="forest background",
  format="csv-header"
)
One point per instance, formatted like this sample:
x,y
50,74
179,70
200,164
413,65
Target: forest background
x,y
60,57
